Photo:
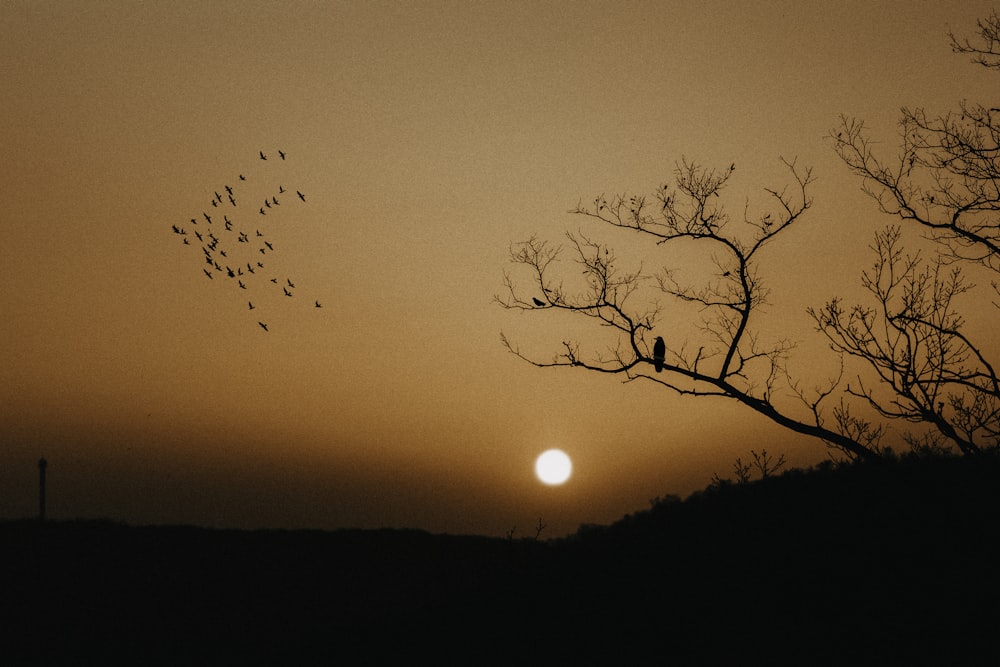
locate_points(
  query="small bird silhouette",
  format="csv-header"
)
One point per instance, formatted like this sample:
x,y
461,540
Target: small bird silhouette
x,y
301,196
287,293
242,177
282,154
318,305
262,156
263,326
207,274
659,354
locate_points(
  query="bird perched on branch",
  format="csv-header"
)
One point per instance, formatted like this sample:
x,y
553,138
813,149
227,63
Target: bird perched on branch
x,y
659,354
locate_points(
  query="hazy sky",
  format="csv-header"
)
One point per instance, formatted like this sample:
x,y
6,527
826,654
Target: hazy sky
x,y
426,137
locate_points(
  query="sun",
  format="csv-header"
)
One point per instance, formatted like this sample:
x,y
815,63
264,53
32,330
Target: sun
x,y
553,467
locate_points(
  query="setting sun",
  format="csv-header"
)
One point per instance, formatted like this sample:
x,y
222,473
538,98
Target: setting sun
x,y
553,467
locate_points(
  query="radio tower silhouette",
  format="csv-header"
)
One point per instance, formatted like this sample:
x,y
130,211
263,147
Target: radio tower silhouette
x,y
42,464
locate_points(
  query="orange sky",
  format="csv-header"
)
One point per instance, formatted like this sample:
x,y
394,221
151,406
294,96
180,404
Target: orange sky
x,y
427,137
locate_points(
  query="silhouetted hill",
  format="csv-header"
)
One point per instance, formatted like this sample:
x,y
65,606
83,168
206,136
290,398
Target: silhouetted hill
x,y
865,564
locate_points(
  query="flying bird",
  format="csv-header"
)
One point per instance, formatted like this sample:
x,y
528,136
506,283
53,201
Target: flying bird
x,y
262,156
282,154
318,305
263,326
251,304
301,196
659,354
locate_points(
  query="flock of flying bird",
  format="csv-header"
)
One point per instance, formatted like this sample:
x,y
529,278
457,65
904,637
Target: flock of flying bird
x,y
234,237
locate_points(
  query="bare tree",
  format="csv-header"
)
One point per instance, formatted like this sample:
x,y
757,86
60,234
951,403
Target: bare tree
x,y
922,366
727,357
945,180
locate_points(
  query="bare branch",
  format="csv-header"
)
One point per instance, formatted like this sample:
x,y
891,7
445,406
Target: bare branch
x,y
729,359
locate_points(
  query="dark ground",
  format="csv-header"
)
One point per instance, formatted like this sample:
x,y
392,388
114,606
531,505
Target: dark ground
x,y
875,564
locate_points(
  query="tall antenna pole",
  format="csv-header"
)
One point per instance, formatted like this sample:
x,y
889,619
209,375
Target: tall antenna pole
x,y
42,464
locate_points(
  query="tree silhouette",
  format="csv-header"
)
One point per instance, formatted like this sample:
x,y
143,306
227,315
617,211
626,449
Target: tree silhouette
x,y
920,364
729,358
945,182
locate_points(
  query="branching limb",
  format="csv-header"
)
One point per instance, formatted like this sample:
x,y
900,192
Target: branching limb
x,y
729,360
